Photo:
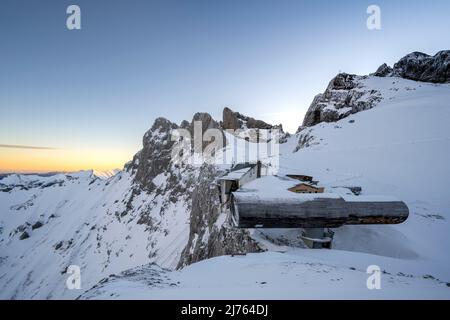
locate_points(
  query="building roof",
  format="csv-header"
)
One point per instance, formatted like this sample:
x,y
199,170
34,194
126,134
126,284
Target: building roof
x,y
274,187
235,175
242,165
301,177
305,184
238,171
267,202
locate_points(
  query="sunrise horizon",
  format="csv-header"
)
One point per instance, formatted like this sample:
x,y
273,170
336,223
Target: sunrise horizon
x,y
60,160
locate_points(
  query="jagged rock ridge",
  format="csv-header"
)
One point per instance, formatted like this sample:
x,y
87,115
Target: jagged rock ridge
x,y
347,94
235,120
209,234
419,66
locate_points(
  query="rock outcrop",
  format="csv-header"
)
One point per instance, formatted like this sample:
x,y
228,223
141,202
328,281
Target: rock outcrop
x,y
209,234
239,122
419,66
155,156
346,94
383,71
235,120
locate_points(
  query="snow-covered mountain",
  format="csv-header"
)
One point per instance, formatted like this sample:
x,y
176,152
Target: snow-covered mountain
x,y
153,229
140,215
348,94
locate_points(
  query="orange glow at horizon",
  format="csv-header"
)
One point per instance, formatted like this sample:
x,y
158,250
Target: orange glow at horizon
x,y
65,160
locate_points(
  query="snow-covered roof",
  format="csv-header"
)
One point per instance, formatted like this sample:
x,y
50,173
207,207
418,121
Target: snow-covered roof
x,y
307,185
270,187
235,175
267,203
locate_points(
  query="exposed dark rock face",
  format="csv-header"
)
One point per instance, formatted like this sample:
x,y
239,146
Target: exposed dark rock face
x,y
343,81
235,120
419,66
344,95
207,123
155,156
37,225
383,71
24,236
239,122
230,119
208,236
356,190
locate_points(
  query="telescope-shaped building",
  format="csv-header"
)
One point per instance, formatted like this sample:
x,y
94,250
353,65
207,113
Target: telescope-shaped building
x,y
321,210
259,201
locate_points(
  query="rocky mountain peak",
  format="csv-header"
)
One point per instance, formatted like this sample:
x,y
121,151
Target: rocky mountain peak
x,y
347,94
383,71
207,121
344,95
185,124
343,81
194,186
155,155
420,66
160,130
235,120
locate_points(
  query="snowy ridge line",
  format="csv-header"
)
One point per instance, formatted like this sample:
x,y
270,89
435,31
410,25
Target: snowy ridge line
x,y
379,146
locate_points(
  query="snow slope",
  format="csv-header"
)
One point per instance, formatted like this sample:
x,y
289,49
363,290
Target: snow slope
x,y
83,221
295,274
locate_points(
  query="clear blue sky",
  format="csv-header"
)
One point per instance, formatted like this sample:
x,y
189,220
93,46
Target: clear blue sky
x,y
102,86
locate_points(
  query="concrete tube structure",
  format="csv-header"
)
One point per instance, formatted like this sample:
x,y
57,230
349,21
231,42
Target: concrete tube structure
x,y
325,210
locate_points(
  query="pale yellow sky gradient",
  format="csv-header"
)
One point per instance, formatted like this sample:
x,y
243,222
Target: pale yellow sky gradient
x,y
66,160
